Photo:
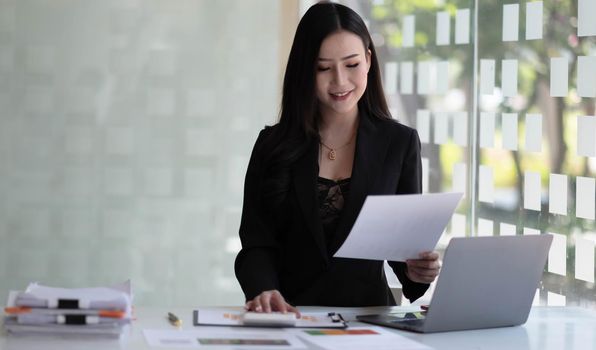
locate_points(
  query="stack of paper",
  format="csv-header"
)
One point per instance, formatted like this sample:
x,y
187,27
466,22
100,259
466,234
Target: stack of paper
x,y
86,311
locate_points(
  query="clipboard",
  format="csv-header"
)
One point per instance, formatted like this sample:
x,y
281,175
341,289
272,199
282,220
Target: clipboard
x,y
231,318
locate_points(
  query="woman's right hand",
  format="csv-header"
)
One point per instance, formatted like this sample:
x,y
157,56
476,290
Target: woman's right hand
x,y
268,301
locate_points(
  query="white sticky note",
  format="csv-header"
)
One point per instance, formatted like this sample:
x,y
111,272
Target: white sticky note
x,y
557,194
443,28
462,26
533,133
441,128
408,31
557,255
534,20
584,201
425,71
531,231
509,128
554,299
390,80
586,71
487,130
510,22
442,84
507,229
485,227
586,136
485,184
532,190
423,125
458,225
487,77
425,177
460,128
559,76
509,78
584,259
586,26
459,178
407,78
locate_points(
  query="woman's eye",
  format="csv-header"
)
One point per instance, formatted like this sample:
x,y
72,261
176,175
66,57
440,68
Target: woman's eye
x,y
322,69
353,65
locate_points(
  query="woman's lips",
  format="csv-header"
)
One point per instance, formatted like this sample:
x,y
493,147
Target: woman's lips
x,y
340,96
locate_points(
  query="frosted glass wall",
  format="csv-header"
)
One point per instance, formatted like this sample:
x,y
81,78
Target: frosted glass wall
x,y
503,96
125,130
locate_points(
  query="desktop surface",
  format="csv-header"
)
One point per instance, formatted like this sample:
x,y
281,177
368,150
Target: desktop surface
x,y
546,328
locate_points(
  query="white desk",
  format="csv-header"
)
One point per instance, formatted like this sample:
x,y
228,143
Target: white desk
x,y
547,328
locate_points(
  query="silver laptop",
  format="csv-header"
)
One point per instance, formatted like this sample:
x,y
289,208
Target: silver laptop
x,y
485,282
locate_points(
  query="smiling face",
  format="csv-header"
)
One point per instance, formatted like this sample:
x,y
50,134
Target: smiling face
x,y
341,75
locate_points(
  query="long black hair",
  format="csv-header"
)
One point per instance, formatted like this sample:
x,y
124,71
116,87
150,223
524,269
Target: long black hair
x,y
299,114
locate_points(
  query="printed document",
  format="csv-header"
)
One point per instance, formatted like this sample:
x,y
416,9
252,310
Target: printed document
x,y
399,227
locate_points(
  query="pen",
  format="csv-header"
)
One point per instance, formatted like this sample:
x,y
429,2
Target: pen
x,y
174,320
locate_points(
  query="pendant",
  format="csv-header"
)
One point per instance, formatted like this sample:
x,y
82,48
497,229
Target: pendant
x,y
331,154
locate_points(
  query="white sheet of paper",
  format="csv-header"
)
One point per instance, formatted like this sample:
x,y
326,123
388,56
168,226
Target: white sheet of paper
x,y
534,20
485,227
509,78
407,78
485,184
425,71
441,128
507,229
462,26
379,339
459,178
510,22
533,133
399,227
559,76
442,81
391,69
487,130
532,190
586,71
443,28
460,128
423,125
487,77
226,317
223,337
584,259
557,255
509,128
586,136
586,26
584,201
408,30
557,201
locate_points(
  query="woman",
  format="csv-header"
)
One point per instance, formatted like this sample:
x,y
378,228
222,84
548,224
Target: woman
x,y
308,175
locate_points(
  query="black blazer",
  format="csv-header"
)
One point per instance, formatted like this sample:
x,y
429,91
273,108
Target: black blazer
x,y
292,257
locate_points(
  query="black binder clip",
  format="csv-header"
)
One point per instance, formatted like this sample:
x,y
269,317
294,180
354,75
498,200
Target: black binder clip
x,y
336,317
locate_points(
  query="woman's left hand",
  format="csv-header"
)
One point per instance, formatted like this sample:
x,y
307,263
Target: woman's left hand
x,y
425,269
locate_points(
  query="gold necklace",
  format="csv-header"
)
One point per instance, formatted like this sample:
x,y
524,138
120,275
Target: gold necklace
x,y
332,155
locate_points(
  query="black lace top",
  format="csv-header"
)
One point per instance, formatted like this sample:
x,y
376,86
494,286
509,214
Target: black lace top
x,y
332,196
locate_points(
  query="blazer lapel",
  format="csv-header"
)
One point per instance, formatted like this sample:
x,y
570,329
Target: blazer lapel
x,y
371,148
305,173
